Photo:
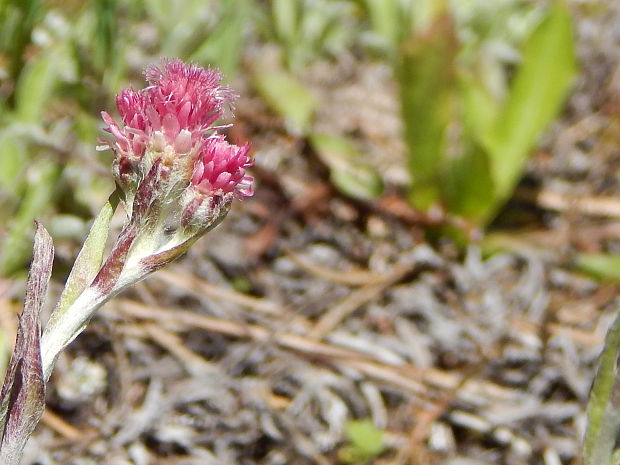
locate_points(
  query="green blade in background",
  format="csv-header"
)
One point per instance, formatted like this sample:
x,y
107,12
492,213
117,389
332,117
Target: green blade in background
x,y
384,16
13,158
601,265
35,86
287,96
348,171
223,46
15,250
426,76
536,96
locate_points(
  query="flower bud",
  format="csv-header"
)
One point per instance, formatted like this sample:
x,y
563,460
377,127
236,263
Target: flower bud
x,y
218,178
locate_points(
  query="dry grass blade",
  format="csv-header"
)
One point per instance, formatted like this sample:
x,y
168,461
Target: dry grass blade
x,y
195,286
193,363
338,312
357,277
601,206
405,376
59,425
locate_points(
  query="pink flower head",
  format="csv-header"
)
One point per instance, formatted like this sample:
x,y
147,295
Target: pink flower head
x,y
221,169
181,103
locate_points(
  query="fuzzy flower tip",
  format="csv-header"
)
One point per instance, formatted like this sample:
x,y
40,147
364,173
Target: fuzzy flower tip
x,y
175,115
221,169
181,103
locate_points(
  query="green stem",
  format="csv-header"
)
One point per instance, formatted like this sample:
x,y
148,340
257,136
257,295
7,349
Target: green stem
x,y
604,404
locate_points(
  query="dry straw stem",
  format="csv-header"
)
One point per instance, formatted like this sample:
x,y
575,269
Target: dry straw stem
x,y
420,382
601,206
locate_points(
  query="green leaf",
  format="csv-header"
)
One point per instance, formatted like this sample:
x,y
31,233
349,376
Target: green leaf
x,y
35,86
385,17
479,108
536,96
222,48
106,33
13,158
603,425
87,262
18,18
348,172
365,442
604,266
467,187
287,96
285,18
39,196
427,83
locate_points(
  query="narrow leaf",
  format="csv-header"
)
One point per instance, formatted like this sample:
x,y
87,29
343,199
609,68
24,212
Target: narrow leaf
x,y
604,405
426,75
288,97
22,398
87,262
13,159
466,184
35,86
222,48
385,17
39,195
602,265
285,18
348,172
535,98
480,109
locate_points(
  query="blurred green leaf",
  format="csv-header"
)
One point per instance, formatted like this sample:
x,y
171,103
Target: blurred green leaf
x,y
348,173
222,48
466,184
286,14
15,250
427,85
34,88
536,96
601,265
18,18
385,16
308,29
13,158
365,442
287,96
104,39
479,109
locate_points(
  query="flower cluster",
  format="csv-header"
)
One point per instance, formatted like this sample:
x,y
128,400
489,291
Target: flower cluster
x,y
170,123
179,177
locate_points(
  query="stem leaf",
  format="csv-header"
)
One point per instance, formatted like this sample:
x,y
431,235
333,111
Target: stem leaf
x,y
88,260
22,398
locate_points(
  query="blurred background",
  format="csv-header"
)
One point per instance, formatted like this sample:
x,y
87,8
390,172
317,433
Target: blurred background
x,y
427,269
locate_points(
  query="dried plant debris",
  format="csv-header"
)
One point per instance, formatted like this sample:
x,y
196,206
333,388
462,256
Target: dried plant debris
x,y
457,359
